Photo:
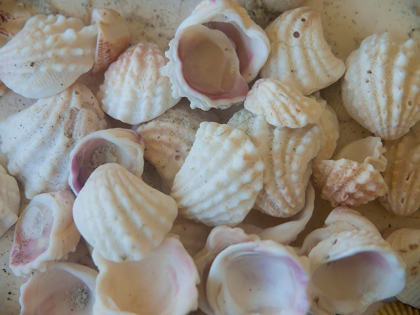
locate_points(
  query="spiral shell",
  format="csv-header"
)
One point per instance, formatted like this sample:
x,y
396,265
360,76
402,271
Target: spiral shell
x,y
9,201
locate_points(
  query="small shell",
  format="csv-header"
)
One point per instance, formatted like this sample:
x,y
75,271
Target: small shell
x,y
9,201
45,232
13,18
39,139
381,86
397,308
120,216
282,105
299,55
47,55
134,91
223,190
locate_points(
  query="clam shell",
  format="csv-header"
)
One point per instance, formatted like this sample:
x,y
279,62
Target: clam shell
x,y
120,216
13,18
299,55
397,308
223,189
47,55
10,200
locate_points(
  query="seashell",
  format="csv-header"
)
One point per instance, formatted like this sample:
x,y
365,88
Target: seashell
x,y
113,38
121,146
39,139
139,283
218,38
47,55
223,190
120,216
282,105
13,18
3,89
299,55
381,87
9,201
282,5
397,308
65,288
406,242
45,232
134,91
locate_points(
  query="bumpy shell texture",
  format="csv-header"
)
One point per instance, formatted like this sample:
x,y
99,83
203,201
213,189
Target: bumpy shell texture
x,y
47,55
9,201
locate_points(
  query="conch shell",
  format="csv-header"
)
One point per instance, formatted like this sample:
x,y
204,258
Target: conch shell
x,y
9,201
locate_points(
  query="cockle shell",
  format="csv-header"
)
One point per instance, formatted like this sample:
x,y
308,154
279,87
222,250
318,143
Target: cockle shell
x,y
39,139
45,232
162,283
381,88
221,176
9,201
65,288
134,91
397,308
113,37
12,18
282,105
47,55
299,55
120,216
121,146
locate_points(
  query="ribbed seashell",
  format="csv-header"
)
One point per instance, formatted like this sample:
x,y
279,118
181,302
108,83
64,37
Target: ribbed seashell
x,y
113,37
397,308
381,86
134,91
45,232
47,55
9,201
299,55
121,146
224,189
282,105
65,288
406,242
39,139
162,283
213,55
121,216
13,18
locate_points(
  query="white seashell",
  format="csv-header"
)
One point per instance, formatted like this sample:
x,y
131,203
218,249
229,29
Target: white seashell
x,y
282,105
39,139
162,283
222,190
45,232
381,86
65,288
120,216
13,18
406,242
299,55
47,55
9,201
134,91
121,146
113,37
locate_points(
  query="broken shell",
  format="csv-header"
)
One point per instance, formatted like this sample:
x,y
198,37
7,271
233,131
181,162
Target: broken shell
x,y
397,308
120,216
299,55
381,87
224,190
9,201
45,232
13,18
47,55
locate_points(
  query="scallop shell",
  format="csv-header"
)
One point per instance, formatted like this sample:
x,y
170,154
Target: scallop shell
x,y
299,55
47,55
139,283
39,139
65,288
120,216
397,308
134,91
45,232
9,201
121,146
221,190
282,105
381,87
13,18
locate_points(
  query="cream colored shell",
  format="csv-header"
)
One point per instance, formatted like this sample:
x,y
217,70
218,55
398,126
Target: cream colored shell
x,y
14,15
9,201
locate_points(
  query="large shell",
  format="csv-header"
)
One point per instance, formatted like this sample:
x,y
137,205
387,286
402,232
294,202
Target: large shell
x,y
381,86
45,232
162,283
134,91
13,18
47,55
9,201
39,139
221,177
120,216
299,55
